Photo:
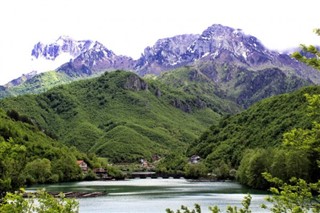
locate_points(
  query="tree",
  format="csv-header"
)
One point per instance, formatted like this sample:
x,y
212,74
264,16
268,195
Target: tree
x,y
67,168
296,196
39,202
310,54
195,170
308,140
11,165
215,209
172,164
38,171
222,171
252,165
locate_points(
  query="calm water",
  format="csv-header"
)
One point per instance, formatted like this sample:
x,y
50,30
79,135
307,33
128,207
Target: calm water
x,y
155,195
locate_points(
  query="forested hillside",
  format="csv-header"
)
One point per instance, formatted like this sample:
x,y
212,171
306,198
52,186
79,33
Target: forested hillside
x,y
260,126
37,84
30,156
121,116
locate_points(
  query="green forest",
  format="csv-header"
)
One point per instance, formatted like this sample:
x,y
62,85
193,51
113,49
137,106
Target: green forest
x,y
29,155
121,118
124,118
261,130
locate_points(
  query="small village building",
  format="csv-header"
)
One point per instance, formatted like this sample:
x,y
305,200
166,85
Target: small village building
x,y
83,165
144,163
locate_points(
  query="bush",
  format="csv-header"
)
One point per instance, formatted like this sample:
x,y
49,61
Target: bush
x,y
39,202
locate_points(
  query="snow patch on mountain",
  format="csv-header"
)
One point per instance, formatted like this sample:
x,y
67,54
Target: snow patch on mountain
x,y
50,56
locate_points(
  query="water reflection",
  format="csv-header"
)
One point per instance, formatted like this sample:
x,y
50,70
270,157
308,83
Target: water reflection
x,y
155,195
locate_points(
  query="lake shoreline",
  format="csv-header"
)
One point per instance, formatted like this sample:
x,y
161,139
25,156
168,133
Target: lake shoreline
x,y
155,194
69,194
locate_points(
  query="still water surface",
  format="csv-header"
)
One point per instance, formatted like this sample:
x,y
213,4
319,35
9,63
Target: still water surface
x,y
155,195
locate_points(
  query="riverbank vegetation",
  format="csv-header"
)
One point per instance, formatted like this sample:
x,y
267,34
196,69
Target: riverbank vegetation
x,y
39,202
29,156
254,138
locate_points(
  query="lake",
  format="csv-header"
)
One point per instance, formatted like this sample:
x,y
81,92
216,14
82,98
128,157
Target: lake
x,y
155,195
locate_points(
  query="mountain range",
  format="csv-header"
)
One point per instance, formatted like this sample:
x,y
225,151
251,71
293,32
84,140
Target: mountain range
x,y
238,65
214,96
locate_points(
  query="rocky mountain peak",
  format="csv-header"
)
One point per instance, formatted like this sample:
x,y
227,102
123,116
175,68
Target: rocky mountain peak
x,y
220,42
97,52
63,45
215,31
96,59
164,54
218,45
64,38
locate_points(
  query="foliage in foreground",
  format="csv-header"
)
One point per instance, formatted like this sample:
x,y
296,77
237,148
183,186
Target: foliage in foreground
x,y
310,54
215,209
39,202
296,196
298,157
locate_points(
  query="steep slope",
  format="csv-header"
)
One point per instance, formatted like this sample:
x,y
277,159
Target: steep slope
x,y
88,59
192,81
96,60
119,116
36,84
23,145
63,45
245,85
21,79
45,57
77,58
220,44
231,84
262,125
165,54
238,65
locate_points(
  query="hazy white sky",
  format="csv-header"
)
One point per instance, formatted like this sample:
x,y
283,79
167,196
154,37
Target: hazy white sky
x,y
128,26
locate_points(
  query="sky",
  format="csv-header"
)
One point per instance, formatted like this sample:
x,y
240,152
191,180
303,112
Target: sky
x,y
128,26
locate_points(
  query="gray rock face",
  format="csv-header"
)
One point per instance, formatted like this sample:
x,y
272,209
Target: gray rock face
x,y
97,59
21,79
216,44
182,105
218,40
239,66
165,54
135,83
222,45
63,44
158,93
